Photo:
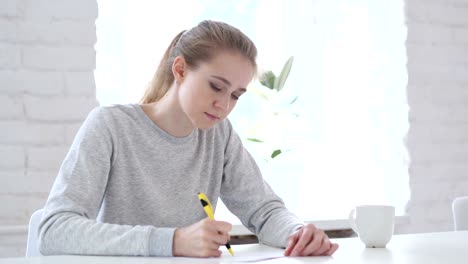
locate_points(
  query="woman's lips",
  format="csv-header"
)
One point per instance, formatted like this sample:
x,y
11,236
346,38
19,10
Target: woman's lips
x,y
212,117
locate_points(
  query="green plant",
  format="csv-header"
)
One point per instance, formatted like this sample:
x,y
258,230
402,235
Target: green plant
x,y
276,83
270,80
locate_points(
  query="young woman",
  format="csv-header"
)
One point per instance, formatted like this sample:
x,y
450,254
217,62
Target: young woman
x,y
129,183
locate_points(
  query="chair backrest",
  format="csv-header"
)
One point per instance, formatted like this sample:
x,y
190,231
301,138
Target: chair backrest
x,y
32,247
460,213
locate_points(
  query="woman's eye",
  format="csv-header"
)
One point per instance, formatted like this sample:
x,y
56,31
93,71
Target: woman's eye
x,y
235,97
214,87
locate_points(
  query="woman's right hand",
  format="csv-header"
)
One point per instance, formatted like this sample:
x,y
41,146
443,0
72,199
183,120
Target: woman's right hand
x,y
201,239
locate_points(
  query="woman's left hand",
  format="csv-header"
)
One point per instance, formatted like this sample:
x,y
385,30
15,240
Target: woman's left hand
x,y
309,241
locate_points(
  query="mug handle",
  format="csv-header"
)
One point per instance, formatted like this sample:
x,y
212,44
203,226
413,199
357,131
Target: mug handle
x,y
352,220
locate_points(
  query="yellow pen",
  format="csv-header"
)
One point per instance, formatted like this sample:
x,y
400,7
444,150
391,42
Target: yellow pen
x,y
209,211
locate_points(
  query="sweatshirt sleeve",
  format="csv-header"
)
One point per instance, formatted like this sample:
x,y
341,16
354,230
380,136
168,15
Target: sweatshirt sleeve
x,y
69,223
251,199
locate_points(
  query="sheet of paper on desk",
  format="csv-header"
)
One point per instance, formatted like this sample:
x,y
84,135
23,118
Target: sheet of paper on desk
x,y
253,258
273,258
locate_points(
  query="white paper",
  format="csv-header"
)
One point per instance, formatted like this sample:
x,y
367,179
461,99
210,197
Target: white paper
x,y
254,258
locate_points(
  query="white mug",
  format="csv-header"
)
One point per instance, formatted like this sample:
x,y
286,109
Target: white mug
x,y
374,224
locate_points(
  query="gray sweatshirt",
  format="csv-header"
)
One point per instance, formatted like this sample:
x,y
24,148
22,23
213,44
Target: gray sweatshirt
x,y
126,185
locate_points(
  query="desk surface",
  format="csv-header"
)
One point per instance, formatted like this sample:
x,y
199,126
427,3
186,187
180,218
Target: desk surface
x,y
444,247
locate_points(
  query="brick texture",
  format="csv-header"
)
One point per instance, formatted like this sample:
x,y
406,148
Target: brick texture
x,y
47,87
438,100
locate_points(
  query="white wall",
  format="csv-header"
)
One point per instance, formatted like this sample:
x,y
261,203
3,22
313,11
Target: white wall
x,y
437,50
47,87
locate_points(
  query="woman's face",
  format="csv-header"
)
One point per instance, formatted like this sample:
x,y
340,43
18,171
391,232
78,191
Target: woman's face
x,y
208,93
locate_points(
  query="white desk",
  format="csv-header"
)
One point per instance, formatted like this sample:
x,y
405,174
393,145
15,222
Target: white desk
x,y
446,247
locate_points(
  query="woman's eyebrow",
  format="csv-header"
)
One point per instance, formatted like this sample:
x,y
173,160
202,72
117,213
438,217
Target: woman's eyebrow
x,y
222,79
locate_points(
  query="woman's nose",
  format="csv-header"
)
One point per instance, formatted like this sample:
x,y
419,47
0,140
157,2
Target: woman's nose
x,y
223,102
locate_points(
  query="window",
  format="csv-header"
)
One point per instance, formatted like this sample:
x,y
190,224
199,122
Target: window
x,y
342,139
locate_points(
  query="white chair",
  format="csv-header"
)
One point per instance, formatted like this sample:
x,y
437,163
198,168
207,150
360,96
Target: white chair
x,y
460,213
32,247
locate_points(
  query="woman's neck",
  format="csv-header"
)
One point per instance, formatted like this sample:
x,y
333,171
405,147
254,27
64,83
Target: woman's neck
x,y
168,115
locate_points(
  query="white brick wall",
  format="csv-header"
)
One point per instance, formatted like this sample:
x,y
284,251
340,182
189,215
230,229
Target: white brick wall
x,y
47,59
437,50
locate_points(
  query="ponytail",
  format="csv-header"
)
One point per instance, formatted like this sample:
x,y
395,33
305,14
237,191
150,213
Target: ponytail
x,y
163,77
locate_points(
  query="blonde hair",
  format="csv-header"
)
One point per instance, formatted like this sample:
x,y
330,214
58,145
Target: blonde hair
x,y
197,45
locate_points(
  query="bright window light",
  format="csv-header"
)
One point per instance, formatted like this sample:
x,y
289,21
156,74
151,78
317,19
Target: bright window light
x,y
342,139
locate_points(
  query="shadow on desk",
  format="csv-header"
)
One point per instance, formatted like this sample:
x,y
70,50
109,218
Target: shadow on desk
x,y
252,239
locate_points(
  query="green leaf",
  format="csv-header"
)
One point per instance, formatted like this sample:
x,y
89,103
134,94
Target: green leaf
x,y
255,140
281,79
275,153
267,79
295,98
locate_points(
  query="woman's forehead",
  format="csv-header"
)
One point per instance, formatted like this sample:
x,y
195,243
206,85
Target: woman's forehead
x,y
234,67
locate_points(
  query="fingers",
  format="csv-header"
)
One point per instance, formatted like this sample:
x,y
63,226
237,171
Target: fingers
x,y
217,231
218,226
201,239
323,247
310,241
220,239
208,253
292,241
290,246
332,249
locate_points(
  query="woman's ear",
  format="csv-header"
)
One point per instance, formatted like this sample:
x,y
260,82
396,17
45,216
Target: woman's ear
x,y
179,69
